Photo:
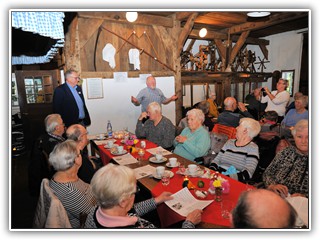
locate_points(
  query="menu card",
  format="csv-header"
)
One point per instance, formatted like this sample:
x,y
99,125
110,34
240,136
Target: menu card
x,y
153,151
300,204
184,202
144,171
125,159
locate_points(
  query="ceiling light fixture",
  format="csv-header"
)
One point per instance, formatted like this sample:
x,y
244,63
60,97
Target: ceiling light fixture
x,y
131,16
258,14
203,32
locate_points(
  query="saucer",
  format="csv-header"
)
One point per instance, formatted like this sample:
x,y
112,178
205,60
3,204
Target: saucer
x,y
99,138
169,165
116,153
198,173
156,176
114,145
154,160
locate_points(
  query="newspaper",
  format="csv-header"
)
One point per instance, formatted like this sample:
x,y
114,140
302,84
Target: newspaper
x,y
144,171
184,202
300,204
125,159
153,151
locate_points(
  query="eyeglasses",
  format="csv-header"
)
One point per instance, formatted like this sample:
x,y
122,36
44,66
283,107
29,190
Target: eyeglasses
x,y
75,77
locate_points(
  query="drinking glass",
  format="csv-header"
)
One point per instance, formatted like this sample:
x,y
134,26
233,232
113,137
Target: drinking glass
x,y
141,153
165,178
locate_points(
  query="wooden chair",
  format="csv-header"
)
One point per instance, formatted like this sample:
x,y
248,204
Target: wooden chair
x,y
229,131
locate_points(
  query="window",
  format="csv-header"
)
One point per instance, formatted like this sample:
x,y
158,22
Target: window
x,y
289,75
39,89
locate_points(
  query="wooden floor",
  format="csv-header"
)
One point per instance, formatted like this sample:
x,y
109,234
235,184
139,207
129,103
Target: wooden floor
x,y
22,203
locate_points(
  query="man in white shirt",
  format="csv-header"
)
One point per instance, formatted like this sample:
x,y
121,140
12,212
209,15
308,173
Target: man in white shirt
x,y
278,99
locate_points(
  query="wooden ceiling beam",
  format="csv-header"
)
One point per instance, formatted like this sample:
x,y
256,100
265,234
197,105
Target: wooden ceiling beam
x,y
223,36
186,31
236,48
120,17
273,20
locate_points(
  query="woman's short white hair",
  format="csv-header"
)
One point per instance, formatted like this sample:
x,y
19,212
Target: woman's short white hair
x,y
154,107
51,121
253,127
113,183
63,155
300,126
303,99
196,113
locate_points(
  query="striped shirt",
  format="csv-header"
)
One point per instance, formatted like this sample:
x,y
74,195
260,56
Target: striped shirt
x,y
148,95
245,159
76,197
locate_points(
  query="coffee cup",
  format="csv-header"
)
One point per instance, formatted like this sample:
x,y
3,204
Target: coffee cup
x,y
192,168
109,144
173,161
120,149
160,170
101,136
159,156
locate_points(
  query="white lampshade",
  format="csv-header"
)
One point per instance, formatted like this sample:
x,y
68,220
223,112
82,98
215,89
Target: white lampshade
x,y
203,32
258,14
131,16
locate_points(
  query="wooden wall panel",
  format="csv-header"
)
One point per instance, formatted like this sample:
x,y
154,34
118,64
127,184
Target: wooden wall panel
x,y
149,42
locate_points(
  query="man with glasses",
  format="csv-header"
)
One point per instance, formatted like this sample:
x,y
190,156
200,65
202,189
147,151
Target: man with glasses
x,y
39,166
69,102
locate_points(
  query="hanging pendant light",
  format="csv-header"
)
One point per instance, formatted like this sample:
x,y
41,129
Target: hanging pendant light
x,y
203,32
131,16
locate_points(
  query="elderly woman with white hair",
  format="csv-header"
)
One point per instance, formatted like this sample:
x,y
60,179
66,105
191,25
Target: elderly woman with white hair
x,y
288,172
194,140
239,157
157,128
114,187
74,194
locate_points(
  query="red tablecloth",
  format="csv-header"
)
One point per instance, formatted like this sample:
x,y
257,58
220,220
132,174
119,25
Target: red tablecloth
x,y
211,214
106,155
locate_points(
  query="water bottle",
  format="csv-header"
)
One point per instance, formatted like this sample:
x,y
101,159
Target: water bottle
x,y
109,129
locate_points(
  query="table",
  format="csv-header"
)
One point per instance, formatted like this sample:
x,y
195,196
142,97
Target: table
x,y
211,215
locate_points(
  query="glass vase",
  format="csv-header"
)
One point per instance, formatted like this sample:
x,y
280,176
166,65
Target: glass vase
x,y
218,192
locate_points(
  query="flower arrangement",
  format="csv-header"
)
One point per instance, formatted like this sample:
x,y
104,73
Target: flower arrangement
x,y
132,140
218,184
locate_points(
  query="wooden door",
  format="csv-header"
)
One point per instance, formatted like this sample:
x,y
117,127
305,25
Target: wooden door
x,y
35,89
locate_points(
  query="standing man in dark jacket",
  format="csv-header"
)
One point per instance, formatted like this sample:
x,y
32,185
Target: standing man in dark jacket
x,y
69,102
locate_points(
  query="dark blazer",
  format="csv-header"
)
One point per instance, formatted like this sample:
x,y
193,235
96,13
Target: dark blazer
x,y
232,119
65,105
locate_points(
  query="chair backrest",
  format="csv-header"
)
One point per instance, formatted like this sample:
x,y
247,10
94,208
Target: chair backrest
x,y
227,130
50,212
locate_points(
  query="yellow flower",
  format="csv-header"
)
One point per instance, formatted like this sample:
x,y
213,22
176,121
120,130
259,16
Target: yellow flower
x,y
217,183
135,141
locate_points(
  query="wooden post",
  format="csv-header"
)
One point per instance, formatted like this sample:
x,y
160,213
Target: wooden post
x,y
72,48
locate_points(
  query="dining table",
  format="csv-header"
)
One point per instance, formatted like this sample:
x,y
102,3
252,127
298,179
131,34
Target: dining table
x,y
211,216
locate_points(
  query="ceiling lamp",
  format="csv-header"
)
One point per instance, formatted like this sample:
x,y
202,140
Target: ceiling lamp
x,y
258,14
131,16
203,32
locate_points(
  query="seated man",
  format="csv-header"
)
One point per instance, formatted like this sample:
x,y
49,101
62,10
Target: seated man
x,y
262,209
228,117
157,128
39,166
89,166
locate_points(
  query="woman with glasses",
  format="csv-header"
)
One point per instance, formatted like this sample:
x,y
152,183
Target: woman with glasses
x,y
74,194
114,187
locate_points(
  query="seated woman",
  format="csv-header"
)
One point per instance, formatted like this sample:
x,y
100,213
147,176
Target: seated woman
x,y
194,140
157,128
241,154
213,108
74,194
114,187
288,172
294,115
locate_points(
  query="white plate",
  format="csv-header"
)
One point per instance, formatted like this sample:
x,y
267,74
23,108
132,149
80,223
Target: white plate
x,y
197,174
118,154
114,145
155,175
99,138
154,160
169,165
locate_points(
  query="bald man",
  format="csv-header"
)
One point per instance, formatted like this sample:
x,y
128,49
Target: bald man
x,y
151,94
78,133
262,208
229,117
